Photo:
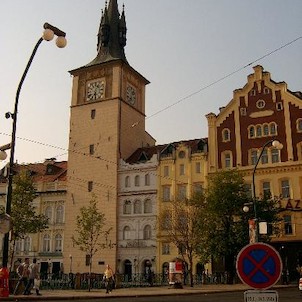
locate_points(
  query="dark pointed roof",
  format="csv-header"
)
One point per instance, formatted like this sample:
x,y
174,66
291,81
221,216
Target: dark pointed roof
x,y
111,36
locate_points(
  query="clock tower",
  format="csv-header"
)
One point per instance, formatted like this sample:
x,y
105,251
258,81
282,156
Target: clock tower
x,y
107,123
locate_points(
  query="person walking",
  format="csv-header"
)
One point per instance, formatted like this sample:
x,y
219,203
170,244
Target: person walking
x,y
109,279
23,274
33,274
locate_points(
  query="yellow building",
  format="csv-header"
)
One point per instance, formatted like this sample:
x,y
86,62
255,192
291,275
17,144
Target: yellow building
x,y
259,113
181,172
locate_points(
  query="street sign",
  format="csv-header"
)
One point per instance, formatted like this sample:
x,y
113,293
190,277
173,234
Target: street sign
x,y
261,295
259,265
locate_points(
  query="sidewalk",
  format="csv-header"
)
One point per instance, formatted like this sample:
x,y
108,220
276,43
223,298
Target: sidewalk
x,y
130,292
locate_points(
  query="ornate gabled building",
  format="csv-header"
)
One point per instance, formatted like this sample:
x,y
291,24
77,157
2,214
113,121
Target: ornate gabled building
x,y
107,124
51,184
260,112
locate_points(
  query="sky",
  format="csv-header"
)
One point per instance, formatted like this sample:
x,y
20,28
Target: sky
x,y
195,53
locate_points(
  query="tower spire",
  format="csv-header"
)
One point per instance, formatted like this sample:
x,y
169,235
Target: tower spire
x,y
111,38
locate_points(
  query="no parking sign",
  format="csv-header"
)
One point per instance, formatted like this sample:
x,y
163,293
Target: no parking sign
x,y
259,265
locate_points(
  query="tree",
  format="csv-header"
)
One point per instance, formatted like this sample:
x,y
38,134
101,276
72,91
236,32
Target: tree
x,y
179,223
25,219
90,223
223,222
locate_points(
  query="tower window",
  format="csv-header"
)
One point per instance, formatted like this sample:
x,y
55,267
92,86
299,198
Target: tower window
x,y
90,186
91,149
92,114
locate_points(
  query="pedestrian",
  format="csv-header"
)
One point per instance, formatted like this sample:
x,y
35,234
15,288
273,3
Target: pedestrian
x,y
23,274
33,279
109,279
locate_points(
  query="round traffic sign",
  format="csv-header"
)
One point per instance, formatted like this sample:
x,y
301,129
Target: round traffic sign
x,y
259,265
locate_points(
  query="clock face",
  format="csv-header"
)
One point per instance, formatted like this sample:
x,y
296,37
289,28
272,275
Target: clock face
x,y
95,90
131,95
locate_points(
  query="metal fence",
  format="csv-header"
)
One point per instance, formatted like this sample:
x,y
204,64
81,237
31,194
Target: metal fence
x,y
81,281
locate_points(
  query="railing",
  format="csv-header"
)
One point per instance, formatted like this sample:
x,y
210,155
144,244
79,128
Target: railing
x,y
81,281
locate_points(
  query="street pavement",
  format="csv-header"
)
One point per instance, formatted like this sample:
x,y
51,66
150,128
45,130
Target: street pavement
x,y
131,292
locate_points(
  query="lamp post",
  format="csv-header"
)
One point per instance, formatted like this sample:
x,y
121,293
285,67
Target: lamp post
x,y
276,144
48,34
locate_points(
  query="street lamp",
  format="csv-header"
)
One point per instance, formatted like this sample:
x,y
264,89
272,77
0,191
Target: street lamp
x,y
48,34
276,144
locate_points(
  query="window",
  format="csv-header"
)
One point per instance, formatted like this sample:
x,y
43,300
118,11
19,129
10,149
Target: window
x,y
147,179
253,92
279,106
166,170
251,131
18,246
59,214
181,249
275,155
58,243
147,206
46,243
90,186
166,224
182,154
285,189
266,90
165,248
126,233
136,181
147,232
48,214
254,157
243,111
226,135
227,160
273,129
260,104
127,181
299,125
166,193
198,188
26,244
266,189
258,131
264,157
127,207
137,207
288,228
265,130
92,114
248,190
91,149
198,167
182,169
182,192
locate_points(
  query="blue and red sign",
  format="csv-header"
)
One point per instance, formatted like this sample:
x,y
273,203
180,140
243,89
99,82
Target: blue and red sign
x,y
259,265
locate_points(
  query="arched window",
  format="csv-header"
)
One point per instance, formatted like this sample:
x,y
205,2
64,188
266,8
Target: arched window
x,y
137,207
46,243
147,232
252,131
258,131
59,214
127,181
299,125
127,207
126,233
226,135
48,214
273,129
147,206
136,181
58,243
265,130
147,179
27,244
